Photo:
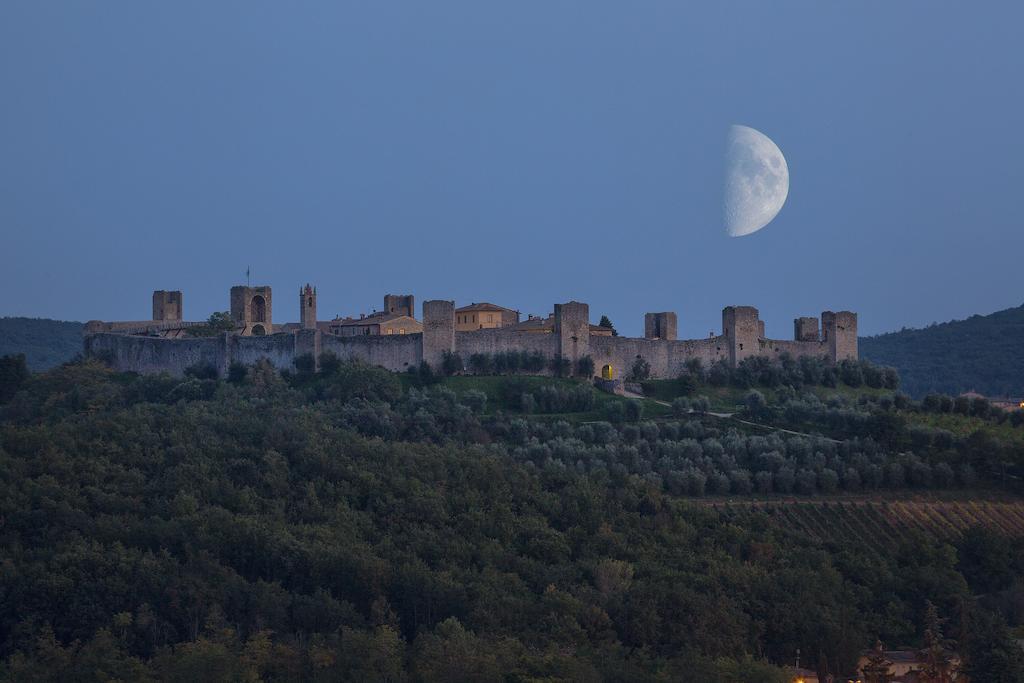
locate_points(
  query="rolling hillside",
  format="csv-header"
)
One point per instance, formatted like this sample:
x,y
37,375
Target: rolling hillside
x,y
984,353
45,343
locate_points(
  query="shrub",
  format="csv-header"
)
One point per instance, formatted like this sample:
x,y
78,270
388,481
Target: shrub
x,y
680,407
237,372
305,364
202,371
585,367
634,410
329,363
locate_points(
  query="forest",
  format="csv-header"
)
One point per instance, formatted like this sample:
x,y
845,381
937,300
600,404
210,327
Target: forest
x,y
980,353
349,524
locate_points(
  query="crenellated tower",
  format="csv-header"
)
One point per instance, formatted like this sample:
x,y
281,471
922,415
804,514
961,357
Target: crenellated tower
x,y
661,325
742,329
839,332
167,306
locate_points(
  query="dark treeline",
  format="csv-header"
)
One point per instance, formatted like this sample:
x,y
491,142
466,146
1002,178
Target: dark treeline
x,y
981,353
333,526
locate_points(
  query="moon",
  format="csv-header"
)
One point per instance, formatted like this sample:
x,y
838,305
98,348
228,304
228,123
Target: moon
x,y
756,181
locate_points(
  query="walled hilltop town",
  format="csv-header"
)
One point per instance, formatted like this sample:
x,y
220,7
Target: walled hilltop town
x,y
395,339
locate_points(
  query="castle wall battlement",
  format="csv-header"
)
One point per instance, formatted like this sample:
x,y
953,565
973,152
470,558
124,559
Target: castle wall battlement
x,y
742,337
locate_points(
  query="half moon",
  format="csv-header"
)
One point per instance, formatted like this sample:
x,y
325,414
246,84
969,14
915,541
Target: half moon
x,y
756,181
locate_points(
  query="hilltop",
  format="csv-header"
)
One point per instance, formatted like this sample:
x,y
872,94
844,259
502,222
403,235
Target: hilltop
x,y
981,353
984,353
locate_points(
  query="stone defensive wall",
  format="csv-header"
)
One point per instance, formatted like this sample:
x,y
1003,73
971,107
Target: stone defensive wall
x,y
742,337
503,340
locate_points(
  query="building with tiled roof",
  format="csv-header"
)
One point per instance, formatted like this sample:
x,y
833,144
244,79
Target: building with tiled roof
x,y
484,316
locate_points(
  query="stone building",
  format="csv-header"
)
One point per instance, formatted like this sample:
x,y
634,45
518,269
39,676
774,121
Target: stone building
x,y
378,323
484,316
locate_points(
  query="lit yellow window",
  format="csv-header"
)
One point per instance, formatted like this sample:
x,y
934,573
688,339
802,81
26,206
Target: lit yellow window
x,y
401,330
391,330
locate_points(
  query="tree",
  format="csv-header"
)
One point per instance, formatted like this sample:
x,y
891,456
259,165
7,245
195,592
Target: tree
x,y
219,322
991,653
877,667
585,367
607,324
755,402
938,666
13,375
560,366
451,363
641,370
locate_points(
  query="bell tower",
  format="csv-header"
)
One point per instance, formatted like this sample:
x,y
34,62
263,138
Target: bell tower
x,y
307,307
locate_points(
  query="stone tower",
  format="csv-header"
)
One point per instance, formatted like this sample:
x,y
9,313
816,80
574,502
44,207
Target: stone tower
x,y
839,331
741,328
572,325
167,305
402,304
806,329
251,309
661,325
307,307
438,331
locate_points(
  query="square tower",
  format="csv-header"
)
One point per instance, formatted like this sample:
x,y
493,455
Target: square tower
x,y
839,332
438,331
167,305
741,328
251,309
572,325
400,304
661,325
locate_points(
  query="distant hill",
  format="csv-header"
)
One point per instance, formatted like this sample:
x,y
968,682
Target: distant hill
x,y
45,343
984,353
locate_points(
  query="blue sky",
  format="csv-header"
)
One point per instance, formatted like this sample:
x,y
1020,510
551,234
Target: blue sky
x,y
522,153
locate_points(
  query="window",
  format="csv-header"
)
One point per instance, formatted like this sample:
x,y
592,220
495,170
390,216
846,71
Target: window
x,y
391,330
741,347
401,330
490,318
